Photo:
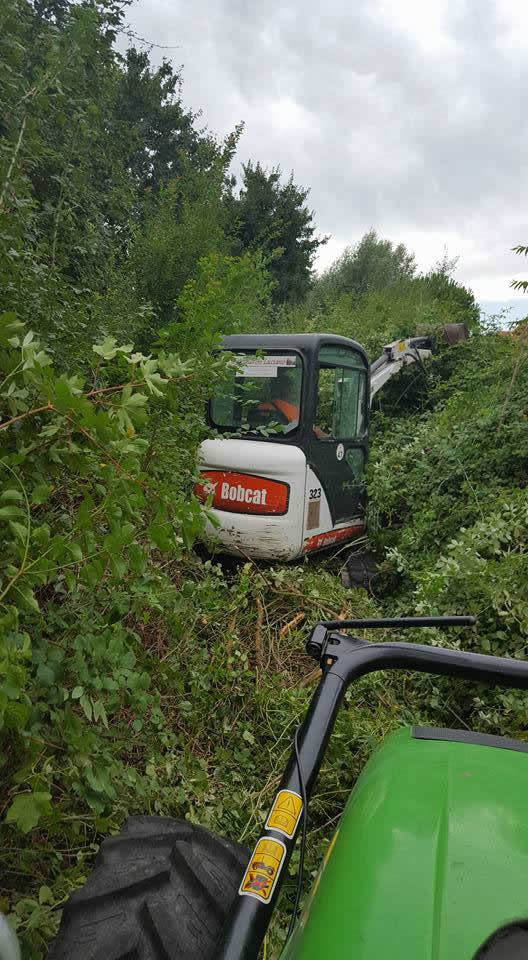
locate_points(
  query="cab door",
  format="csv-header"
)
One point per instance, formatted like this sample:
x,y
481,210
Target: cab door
x,y
338,445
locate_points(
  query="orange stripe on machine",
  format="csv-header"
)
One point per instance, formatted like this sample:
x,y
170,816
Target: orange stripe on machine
x,y
243,492
333,536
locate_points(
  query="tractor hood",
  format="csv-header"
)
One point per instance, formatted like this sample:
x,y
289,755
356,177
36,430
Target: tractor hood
x,y
431,856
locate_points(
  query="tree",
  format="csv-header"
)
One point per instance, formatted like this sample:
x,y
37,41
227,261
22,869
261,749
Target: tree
x,y
273,217
183,224
160,134
65,190
94,150
372,264
456,301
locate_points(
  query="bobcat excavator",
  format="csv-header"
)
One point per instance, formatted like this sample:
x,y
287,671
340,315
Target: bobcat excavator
x,y
283,477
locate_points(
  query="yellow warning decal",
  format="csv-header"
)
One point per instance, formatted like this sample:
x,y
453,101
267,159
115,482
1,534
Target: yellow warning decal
x,y
263,869
285,812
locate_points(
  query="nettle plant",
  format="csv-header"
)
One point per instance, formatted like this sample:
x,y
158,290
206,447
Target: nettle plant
x,y
84,506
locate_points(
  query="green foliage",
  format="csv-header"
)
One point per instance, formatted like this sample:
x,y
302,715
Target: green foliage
x,y
109,195
160,135
372,295
90,517
27,809
184,225
228,295
372,264
116,642
448,507
273,217
62,194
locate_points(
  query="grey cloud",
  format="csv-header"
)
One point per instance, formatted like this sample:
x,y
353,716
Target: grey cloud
x,y
387,130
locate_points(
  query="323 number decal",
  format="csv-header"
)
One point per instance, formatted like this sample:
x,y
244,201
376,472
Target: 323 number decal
x,y
315,493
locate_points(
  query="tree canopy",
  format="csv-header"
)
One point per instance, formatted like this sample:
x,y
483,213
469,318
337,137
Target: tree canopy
x,y
371,264
272,216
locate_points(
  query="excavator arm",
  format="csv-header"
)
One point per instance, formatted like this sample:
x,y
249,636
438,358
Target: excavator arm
x,y
400,353
396,355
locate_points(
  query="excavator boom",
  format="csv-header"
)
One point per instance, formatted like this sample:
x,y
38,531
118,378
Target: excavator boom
x,y
398,354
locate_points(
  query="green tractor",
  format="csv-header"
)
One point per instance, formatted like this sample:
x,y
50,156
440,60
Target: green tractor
x,y
430,860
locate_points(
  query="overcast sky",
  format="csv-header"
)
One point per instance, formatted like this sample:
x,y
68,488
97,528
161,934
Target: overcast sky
x,y
403,115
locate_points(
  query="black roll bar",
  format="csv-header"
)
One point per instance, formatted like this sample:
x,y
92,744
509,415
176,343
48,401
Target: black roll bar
x,y
343,659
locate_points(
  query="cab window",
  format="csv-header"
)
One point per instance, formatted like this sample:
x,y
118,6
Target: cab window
x,y
259,393
341,408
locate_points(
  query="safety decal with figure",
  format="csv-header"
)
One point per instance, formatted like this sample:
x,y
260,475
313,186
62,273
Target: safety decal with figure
x,y
263,869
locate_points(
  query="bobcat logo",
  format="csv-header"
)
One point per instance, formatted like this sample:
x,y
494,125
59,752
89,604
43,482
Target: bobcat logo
x,y
210,487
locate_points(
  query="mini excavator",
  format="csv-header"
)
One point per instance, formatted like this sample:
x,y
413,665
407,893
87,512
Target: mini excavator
x,y
283,477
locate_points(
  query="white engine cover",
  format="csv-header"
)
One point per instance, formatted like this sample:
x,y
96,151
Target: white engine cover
x,y
246,534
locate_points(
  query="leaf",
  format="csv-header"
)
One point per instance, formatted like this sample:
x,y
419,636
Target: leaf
x,y
28,599
18,530
46,675
6,513
76,551
137,558
77,692
100,712
107,349
86,704
136,400
27,809
11,495
63,397
70,579
154,381
16,715
8,318
93,572
41,493
118,567
159,533
45,895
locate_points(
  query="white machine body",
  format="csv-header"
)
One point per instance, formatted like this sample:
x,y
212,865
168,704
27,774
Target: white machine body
x,y
268,503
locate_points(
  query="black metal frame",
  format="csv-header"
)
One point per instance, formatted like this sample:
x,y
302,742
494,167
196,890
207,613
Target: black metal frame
x,y
344,659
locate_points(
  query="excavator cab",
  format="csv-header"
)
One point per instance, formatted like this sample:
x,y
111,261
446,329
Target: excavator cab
x,y
284,473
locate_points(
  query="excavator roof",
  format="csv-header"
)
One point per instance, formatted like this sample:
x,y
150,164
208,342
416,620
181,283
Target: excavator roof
x,y
305,342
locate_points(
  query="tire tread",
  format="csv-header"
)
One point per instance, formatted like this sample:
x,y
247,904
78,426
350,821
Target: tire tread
x,y
160,890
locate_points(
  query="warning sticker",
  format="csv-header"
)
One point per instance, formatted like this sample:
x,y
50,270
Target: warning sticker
x,y
285,813
267,366
270,360
263,869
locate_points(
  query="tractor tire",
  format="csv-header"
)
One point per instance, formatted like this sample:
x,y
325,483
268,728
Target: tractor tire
x,y
160,890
